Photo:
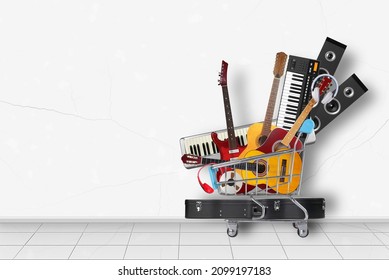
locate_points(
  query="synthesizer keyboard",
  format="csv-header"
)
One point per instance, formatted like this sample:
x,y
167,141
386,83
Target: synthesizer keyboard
x,y
299,75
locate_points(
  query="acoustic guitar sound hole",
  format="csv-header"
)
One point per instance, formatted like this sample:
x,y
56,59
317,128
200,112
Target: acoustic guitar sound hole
x,y
230,182
259,169
262,140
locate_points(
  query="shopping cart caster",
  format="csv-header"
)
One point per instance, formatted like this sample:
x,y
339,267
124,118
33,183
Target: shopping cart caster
x,y
302,232
231,232
232,228
302,228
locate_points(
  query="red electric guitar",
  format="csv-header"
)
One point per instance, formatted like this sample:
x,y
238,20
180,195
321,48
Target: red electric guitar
x,y
228,148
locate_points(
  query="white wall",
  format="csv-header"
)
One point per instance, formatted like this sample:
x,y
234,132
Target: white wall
x,y
94,96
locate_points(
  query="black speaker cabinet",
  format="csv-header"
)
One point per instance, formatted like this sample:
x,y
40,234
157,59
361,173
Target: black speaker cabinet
x,y
330,56
349,91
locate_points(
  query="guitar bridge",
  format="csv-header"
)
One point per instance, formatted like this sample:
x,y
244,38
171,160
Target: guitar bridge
x,y
283,170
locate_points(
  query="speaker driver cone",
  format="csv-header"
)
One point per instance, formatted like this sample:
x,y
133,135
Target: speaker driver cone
x,y
348,92
317,123
332,107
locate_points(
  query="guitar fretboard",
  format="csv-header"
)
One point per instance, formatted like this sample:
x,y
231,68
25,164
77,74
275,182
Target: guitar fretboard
x,y
270,108
230,124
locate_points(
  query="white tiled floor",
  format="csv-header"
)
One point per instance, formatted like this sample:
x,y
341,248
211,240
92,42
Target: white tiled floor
x,y
58,238
259,252
204,238
205,252
98,252
193,240
104,238
313,239
151,252
154,238
312,252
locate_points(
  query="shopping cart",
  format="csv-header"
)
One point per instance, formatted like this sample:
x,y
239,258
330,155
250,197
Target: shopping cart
x,y
270,185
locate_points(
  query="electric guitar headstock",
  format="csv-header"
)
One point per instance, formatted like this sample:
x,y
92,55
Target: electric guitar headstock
x,y
223,74
279,65
324,85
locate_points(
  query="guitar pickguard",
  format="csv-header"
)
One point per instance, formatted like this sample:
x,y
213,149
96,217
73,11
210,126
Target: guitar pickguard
x,y
224,148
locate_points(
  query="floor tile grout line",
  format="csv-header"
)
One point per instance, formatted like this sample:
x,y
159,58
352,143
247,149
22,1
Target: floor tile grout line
x,y
128,242
111,231
27,241
368,227
67,223
325,233
71,253
232,252
279,240
375,234
382,242
104,245
159,232
203,245
179,241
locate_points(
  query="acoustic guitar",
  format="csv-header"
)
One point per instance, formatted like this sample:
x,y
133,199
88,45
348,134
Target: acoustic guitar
x,y
258,132
283,171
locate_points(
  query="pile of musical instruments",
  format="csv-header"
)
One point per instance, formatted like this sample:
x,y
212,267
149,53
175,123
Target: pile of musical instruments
x,y
267,157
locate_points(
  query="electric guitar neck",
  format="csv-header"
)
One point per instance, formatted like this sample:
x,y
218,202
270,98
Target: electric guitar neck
x,y
228,149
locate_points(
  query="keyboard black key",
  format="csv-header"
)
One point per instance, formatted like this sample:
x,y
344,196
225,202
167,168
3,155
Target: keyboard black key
x,y
293,100
291,106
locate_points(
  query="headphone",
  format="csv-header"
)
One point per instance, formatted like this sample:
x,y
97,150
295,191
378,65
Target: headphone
x,y
329,96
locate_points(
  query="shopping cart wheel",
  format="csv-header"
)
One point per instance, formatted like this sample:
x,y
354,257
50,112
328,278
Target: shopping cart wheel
x,y
232,228
232,232
302,232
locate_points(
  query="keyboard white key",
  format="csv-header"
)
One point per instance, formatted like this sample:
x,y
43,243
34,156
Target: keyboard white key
x,y
290,100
